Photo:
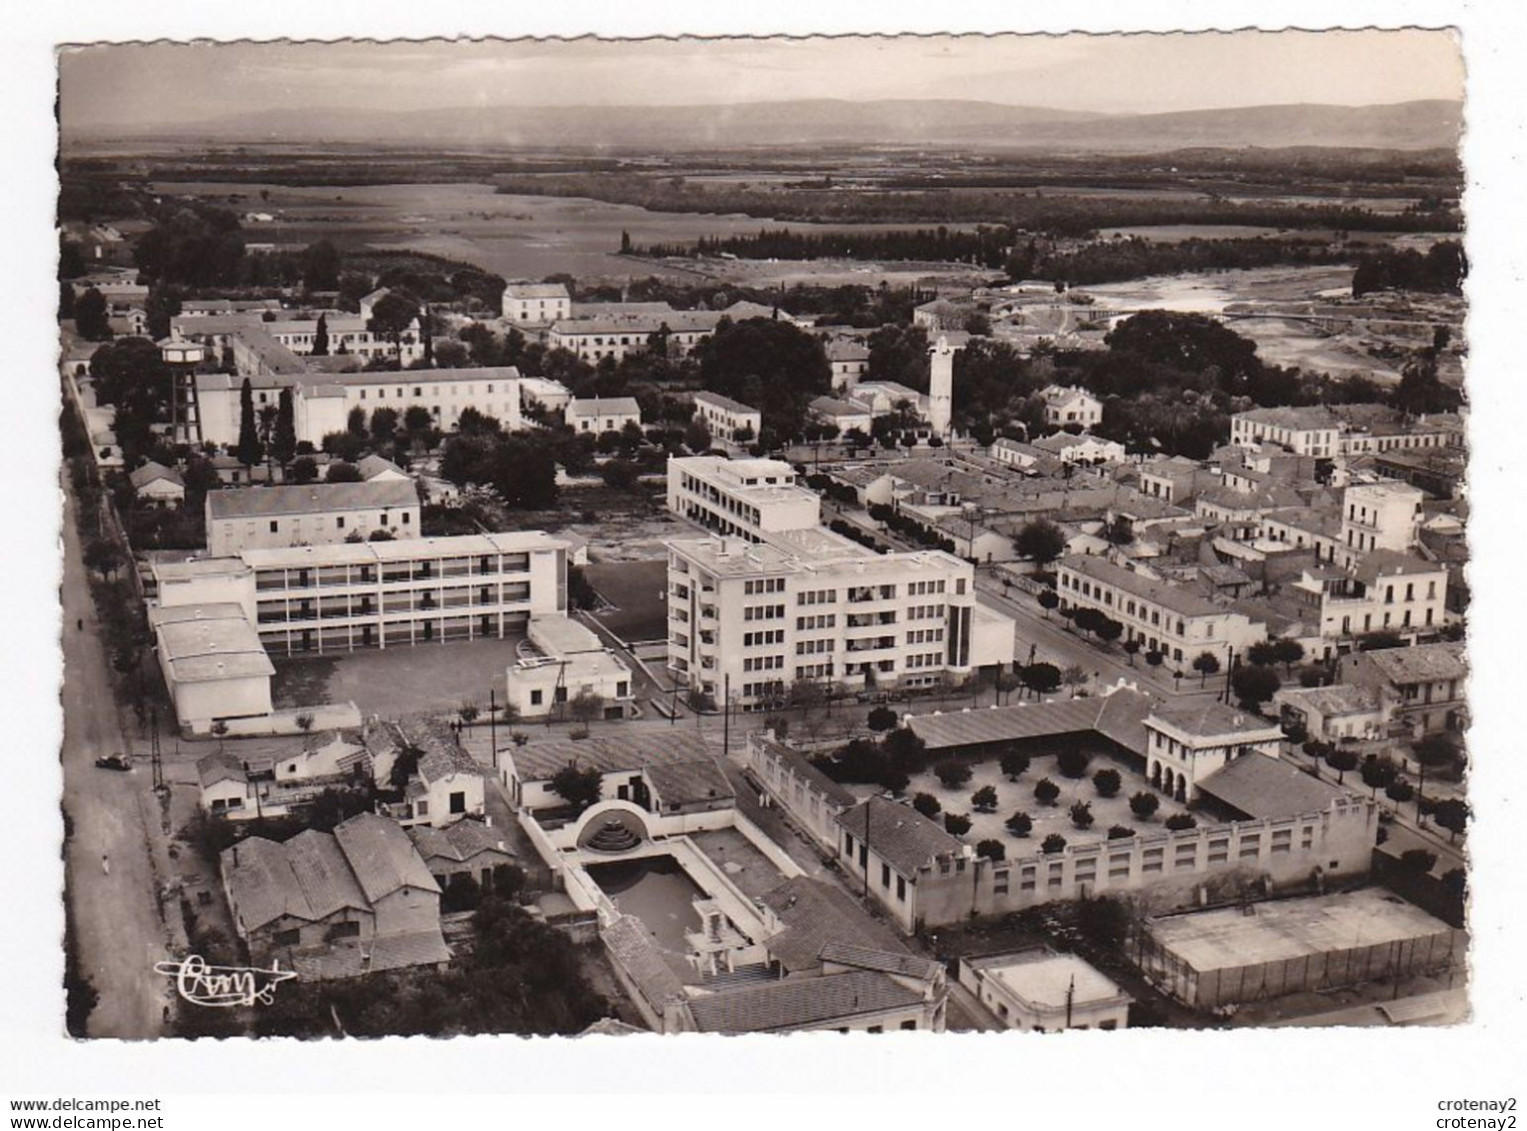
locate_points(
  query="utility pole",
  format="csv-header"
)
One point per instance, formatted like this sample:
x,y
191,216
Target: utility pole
x,y
1070,999
726,714
493,727
156,762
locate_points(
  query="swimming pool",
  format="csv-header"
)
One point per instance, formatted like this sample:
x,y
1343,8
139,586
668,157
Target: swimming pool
x,y
657,891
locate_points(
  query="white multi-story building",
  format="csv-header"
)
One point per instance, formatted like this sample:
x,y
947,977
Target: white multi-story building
x,y
747,497
727,419
341,597
1312,430
850,362
751,618
1381,516
311,515
536,304
322,403
1384,591
1069,404
1188,741
1176,621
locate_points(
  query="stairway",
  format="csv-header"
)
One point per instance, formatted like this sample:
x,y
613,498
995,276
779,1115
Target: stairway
x,y
613,836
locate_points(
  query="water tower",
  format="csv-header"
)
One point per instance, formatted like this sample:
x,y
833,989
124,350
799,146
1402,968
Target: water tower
x,y
185,411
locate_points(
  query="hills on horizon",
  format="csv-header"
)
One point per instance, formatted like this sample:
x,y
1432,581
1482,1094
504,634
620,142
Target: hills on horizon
x,y
1419,125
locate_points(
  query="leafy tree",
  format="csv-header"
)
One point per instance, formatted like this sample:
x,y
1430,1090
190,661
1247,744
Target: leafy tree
x,y
1181,822
1418,860
1254,684
91,317
342,472
1046,791
1154,658
1014,764
1378,772
102,557
1041,678
392,316
1341,759
1040,541
1263,653
304,469
1020,824
1144,805
1436,750
1107,782
952,774
320,271
1132,646
906,750
355,423
250,451
956,824
1205,664
984,800
1288,653
991,849
1072,762
767,363
1119,832
1452,815
1108,630
1049,599
1074,677
927,805
321,337
585,707
697,437
384,424
881,718
1400,791
1053,843
1081,815
578,787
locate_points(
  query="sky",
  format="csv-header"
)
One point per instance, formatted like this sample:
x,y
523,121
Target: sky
x,y
143,85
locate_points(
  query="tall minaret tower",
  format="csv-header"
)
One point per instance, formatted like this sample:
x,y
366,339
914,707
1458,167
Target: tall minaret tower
x,y
941,386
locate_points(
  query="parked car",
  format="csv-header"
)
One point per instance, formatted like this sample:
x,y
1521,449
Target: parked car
x,y
114,762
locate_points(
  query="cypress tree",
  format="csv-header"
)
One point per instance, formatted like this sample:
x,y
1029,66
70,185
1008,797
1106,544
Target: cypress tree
x,y
250,451
284,440
321,337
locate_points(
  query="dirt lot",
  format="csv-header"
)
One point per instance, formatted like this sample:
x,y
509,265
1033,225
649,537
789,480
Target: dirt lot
x,y
393,682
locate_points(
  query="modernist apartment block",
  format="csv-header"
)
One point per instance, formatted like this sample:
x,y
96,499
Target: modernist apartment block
x,y
536,304
414,591
749,619
1166,618
749,498
314,514
381,594
725,418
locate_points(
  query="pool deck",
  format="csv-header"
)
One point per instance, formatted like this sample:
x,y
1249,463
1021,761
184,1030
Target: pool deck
x,y
745,866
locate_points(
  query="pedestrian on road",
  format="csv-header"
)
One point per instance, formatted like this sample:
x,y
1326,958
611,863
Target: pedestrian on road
x,y
105,864
79,623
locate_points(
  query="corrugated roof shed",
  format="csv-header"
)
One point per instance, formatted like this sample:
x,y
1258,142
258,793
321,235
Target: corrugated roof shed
x,y
800,1004
1258,786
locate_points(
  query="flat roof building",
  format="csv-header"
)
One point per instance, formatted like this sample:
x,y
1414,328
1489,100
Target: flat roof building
x,y
746,497
314,514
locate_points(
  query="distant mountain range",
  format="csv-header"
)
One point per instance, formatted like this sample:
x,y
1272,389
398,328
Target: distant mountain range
x,y
1408,125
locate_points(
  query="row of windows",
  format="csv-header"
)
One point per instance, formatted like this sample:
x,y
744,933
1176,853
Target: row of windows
x,y
817,597
763,663
813,671
925,612
925,636
926,660
821,620
435,390
814,647
769,636
768,689
763,612
923,588
763,585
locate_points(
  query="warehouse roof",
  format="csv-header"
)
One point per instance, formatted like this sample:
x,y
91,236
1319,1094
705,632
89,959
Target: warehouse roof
x,y
1260,785
312,498
799,1004
899,834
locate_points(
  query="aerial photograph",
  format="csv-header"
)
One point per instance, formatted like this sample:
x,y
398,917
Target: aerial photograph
x,y
957,534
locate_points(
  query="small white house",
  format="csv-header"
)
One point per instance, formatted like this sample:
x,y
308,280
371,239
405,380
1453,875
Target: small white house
x,y
1069,404
1042,991
602,414
153,482
573,662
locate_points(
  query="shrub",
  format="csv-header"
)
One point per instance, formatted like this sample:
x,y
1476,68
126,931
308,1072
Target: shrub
x,y
1178,822
1053,843
1107,783
1419,860
1119,832
1081,815
1143,805
984,799
952,774
956,824
1014,764
1072,762
991,849
881,719
927,805
1046,791
1020,824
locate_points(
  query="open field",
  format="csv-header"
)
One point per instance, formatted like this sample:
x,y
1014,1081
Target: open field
x,y
511,235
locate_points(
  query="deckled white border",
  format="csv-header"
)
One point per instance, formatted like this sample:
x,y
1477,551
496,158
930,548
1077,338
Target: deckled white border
x,y
1320,1078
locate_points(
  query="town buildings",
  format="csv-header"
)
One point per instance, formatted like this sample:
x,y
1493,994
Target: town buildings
x,y
1042,991
676,332
572,664
1071,406
536,304
726,419
1422,687
597,415
315,514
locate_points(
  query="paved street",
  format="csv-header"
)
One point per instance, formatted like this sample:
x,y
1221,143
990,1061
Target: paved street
x,y
116,915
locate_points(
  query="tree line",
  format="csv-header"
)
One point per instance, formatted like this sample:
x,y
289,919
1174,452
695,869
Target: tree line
x,y
987,246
